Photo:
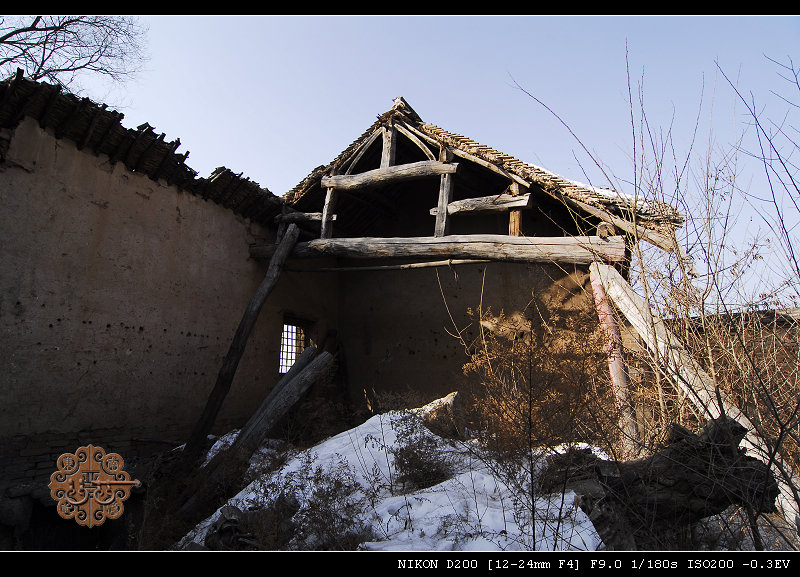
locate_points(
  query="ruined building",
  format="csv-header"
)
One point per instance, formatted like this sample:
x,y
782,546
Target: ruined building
x,y
124,274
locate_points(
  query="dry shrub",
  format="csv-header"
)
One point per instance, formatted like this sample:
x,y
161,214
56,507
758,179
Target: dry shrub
x,y
541,385
317,507
420,461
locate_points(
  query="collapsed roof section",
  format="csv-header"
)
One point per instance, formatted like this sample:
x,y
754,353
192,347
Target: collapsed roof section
x,y
94,127
400,147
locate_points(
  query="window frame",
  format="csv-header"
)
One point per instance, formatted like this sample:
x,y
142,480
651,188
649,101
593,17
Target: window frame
x,y
294,339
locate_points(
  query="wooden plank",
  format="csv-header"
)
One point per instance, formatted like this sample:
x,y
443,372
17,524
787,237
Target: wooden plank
x,y
389,174
203,427
568,250
495,203
672,357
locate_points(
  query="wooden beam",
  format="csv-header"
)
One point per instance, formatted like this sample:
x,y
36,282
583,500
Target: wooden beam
x,y
442,225
362,149
406,266
327,214
668,350
301,217
472,158
568,250
494,203
389,151
388,174
207,485
415,139
515,214
307,368
635,230
197,439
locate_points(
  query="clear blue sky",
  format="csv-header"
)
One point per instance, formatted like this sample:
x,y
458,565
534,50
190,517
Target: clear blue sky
x,y
275,96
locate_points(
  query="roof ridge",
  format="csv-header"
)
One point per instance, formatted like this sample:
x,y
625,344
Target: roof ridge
x,y
94,126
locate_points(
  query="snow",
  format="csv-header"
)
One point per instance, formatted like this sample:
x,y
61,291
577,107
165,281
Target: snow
x,y
473,509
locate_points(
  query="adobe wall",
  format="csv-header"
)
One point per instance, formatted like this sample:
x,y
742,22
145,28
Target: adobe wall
x,y
119,297
397,331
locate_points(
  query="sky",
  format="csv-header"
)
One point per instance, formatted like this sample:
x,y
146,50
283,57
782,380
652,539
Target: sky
x,y
274,97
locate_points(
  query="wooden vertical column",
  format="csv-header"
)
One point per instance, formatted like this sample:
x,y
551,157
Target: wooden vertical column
x,y
514,214
616,364
442,227
389,146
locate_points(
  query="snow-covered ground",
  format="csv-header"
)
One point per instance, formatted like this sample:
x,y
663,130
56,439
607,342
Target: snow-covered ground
x,y
354,481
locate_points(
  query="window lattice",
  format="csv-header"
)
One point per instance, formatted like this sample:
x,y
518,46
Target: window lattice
x,y
293,339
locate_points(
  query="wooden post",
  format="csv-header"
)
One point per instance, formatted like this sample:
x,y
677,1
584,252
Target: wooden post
x,y
389,146
326,231
514,214
205,488
266,415
616,365
514,220
442,226
699,386
203,427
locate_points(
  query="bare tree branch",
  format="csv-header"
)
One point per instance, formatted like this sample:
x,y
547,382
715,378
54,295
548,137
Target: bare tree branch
x,y
61,48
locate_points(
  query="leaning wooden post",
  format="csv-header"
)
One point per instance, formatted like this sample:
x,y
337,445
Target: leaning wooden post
x,y
701,389
326,231
206,486
616,364
225,377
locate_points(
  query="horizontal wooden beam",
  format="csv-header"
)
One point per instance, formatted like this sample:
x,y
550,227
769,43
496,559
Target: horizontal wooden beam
x,y
389,174
301,217
495,203
494,247
428,264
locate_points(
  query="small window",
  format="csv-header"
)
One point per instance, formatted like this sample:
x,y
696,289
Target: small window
x,y
294,339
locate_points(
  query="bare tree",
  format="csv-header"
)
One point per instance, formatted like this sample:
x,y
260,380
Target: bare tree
x,y
734,317
59,49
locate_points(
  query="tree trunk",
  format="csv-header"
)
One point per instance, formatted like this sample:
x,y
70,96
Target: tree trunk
x,y
640,504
